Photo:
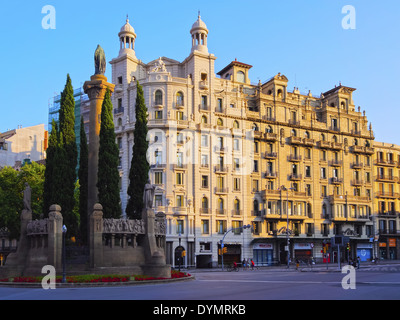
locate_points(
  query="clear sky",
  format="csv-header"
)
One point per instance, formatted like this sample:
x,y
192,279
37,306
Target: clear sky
x,y
304,40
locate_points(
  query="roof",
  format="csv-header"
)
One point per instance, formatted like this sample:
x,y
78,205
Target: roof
x,y
337,89
234,63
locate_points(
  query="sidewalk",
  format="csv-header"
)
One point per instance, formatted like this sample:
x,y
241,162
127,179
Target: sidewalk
x,y
319,267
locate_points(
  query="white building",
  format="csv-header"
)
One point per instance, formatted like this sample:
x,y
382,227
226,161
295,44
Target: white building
x,y
21,144
190,136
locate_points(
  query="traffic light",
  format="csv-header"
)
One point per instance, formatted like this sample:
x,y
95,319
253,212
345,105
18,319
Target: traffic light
x,y
183,253
348,246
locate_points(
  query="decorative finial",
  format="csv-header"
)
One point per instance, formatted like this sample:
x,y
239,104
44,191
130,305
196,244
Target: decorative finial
x,y
127,18
199,14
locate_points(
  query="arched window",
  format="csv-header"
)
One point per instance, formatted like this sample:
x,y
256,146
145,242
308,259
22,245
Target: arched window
x,y
255,127
322,137
203,119
324,212
236,205
355,142
334,139
179,99
307,135
204,203
294,133
220,204
240,77
269,129
235,124
119,122
220,122
158,98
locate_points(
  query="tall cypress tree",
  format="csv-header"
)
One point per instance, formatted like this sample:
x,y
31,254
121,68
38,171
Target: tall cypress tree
x,y
139,171
108,174
68,141
83,182
54,172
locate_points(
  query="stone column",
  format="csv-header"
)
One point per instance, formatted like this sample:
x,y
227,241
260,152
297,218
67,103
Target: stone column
x,y
96,236
54,239
95,89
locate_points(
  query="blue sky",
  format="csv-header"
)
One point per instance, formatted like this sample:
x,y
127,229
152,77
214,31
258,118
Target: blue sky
x,y
303,40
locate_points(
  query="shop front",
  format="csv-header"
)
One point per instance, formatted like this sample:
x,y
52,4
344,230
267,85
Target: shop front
x,y
388,249
303,251
263,254
364,251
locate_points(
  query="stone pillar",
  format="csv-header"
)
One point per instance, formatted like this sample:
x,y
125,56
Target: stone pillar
x,y
96,236
95,89
55,237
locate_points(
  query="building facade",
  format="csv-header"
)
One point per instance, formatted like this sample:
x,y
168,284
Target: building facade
x,y
226,153
386,200
23,144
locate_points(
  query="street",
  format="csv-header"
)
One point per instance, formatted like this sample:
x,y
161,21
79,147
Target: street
x,y
371,283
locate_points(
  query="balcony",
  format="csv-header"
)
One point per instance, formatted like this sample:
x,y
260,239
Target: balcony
x,y
295,177
386,178
221,169
119,110
308,142
205,211
337,146
324,144
295,140
382,162
220,212
336,180
336,163
387,194
357,182
294,158
269,136
270,175
357,165
219,190
270,155
237,212
203,107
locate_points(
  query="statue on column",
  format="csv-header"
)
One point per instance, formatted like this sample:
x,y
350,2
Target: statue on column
x,y
99,61
27,198
148,194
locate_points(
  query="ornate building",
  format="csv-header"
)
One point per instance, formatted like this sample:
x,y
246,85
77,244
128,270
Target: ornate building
x,y
227,153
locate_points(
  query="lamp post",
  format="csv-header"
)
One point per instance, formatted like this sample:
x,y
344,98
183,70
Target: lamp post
x,y
222,241
180,250
64,231
287,220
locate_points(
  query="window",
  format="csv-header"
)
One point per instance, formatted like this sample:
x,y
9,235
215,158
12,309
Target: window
x,y
179,200
236,144
236,184
204,104
158,200
220,122
240,76
204,203
158,156
158,98
205,226
179,115
323,173
179,226
158,177
219,105
119,80
221,226
158,114
235,124
204,160
179,99
179,178
308,171
203,119
204,181
204,140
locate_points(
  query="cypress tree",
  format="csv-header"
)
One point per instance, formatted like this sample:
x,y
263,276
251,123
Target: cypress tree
x,y
139,171
83,182
69,162
108,174
54,176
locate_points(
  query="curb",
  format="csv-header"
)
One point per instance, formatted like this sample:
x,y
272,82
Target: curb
x,y
95,284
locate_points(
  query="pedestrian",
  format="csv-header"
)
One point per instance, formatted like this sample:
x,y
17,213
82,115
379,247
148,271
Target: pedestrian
x,y
244,264
297,264
252,264
358,262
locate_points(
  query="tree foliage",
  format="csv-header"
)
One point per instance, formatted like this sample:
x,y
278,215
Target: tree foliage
x,y
108,174
139,171
12,185
83,183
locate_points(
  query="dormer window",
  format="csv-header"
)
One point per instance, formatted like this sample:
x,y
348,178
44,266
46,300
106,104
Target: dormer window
x,y
240,76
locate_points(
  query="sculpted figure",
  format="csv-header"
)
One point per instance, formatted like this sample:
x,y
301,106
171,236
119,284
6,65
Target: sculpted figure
x,y
99,61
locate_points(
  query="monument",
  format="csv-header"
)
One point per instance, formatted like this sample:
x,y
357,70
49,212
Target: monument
x,y
95,89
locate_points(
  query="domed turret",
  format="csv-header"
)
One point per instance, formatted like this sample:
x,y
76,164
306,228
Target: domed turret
x,y
199,34
127,38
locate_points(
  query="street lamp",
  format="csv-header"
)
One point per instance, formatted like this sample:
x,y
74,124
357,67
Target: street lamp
x,y
287,220
64,231
180,251
222,241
